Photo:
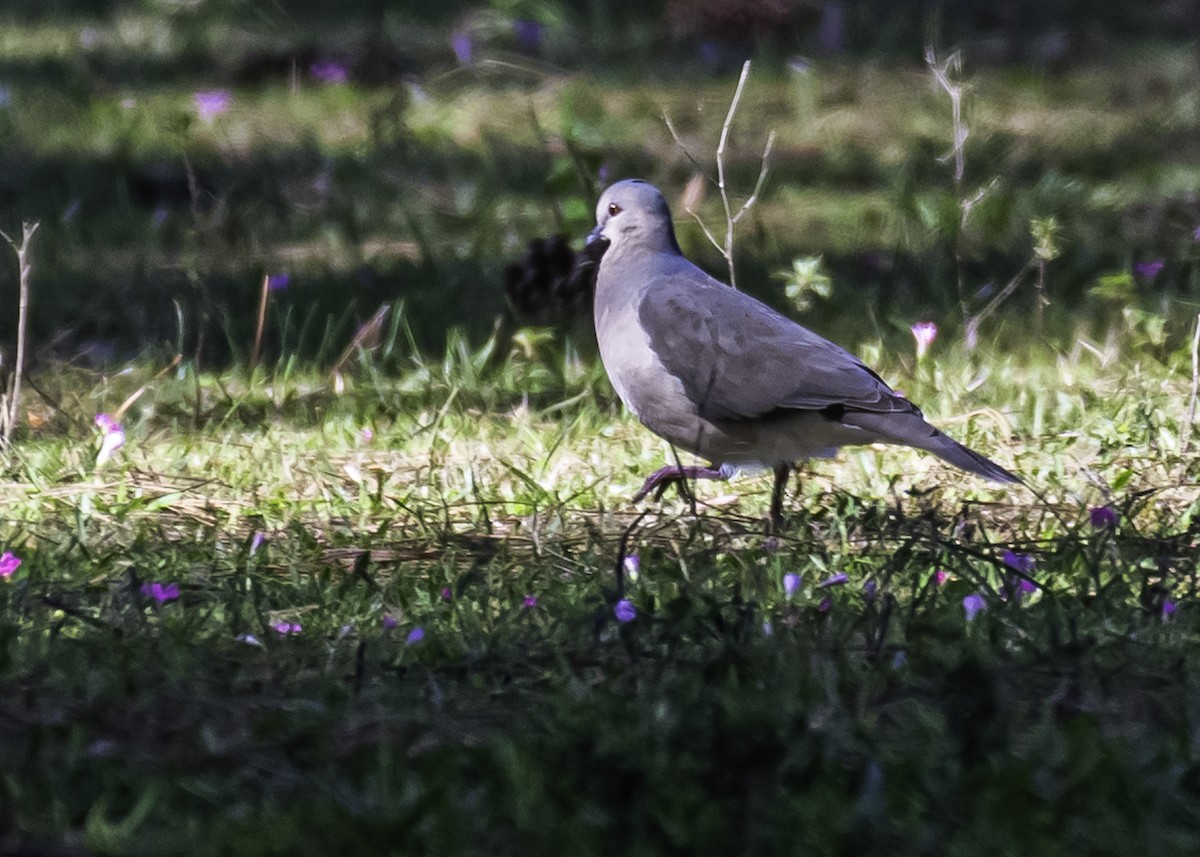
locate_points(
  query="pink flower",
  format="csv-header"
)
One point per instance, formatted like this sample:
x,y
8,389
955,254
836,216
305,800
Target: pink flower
x,y
366,434
211,103
162,593
287,629
112,437
9,562
941,576
924,332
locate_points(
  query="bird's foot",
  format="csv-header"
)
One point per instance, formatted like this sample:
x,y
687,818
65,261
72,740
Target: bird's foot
x,y
666,476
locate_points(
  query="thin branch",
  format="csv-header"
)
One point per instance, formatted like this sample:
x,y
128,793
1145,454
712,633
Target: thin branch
x,y
721,146
1191,418
682,147
263,298
764,168
24,267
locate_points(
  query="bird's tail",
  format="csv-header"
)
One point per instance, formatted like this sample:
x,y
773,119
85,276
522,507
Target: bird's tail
x,y
968,459
911,429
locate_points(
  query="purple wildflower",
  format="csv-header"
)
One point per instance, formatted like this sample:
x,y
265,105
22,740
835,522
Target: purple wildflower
x,y
625,611
389,621
835,580
632,565
530,602
1021,562
160,592
529,36
113,437
287,629
463,47
366,434
256,541
826,605
973,605
1027,586
1196,234
329,71
1103,517
604,172
768,628
249,640
791,582
869,589
9,562
1168,608
211,103
446,593
924,332
1149,270
277,282
415,636
941,576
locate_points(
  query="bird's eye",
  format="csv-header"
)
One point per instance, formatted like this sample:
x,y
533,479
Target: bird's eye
x,y
613,209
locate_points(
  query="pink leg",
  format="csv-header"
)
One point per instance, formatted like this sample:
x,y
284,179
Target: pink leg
x,y
668,475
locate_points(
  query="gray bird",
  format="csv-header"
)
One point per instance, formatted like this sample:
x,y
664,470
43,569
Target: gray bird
x,y
724,376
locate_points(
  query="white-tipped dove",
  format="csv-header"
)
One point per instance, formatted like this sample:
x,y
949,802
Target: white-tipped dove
x,y
722,375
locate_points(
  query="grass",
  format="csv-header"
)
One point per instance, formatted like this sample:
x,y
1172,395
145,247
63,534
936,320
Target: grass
x,y
726,716
469,478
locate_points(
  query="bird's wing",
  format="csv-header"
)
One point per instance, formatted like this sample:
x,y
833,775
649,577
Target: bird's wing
x,y
739,359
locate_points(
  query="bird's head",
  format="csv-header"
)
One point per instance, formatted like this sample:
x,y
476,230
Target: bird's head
x,y
632,213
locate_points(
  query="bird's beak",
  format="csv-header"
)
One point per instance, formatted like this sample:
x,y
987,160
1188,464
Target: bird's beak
x,y
595,244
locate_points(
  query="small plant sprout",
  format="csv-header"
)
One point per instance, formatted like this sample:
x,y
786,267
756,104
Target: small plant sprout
x,y
924,332
804,282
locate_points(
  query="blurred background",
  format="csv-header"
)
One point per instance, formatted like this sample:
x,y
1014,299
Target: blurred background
x,y
176,152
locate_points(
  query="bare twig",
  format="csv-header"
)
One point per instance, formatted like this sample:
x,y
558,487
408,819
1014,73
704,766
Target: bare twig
x,y
973,322
264,296
721,146
24,267
1191,417
725,248
945,76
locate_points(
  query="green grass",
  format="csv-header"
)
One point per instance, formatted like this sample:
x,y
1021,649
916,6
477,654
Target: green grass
x,y
872,715
470,477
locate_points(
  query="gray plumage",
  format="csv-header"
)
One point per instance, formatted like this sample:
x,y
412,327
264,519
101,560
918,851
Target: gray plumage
x,y
722,375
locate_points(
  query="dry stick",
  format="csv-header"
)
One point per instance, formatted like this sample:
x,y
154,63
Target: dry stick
x,y
731,219
942,77
1187,428
264,296
23,266
733,105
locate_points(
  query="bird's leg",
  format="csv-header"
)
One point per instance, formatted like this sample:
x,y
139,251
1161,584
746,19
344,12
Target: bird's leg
x,y
666,476
781,477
